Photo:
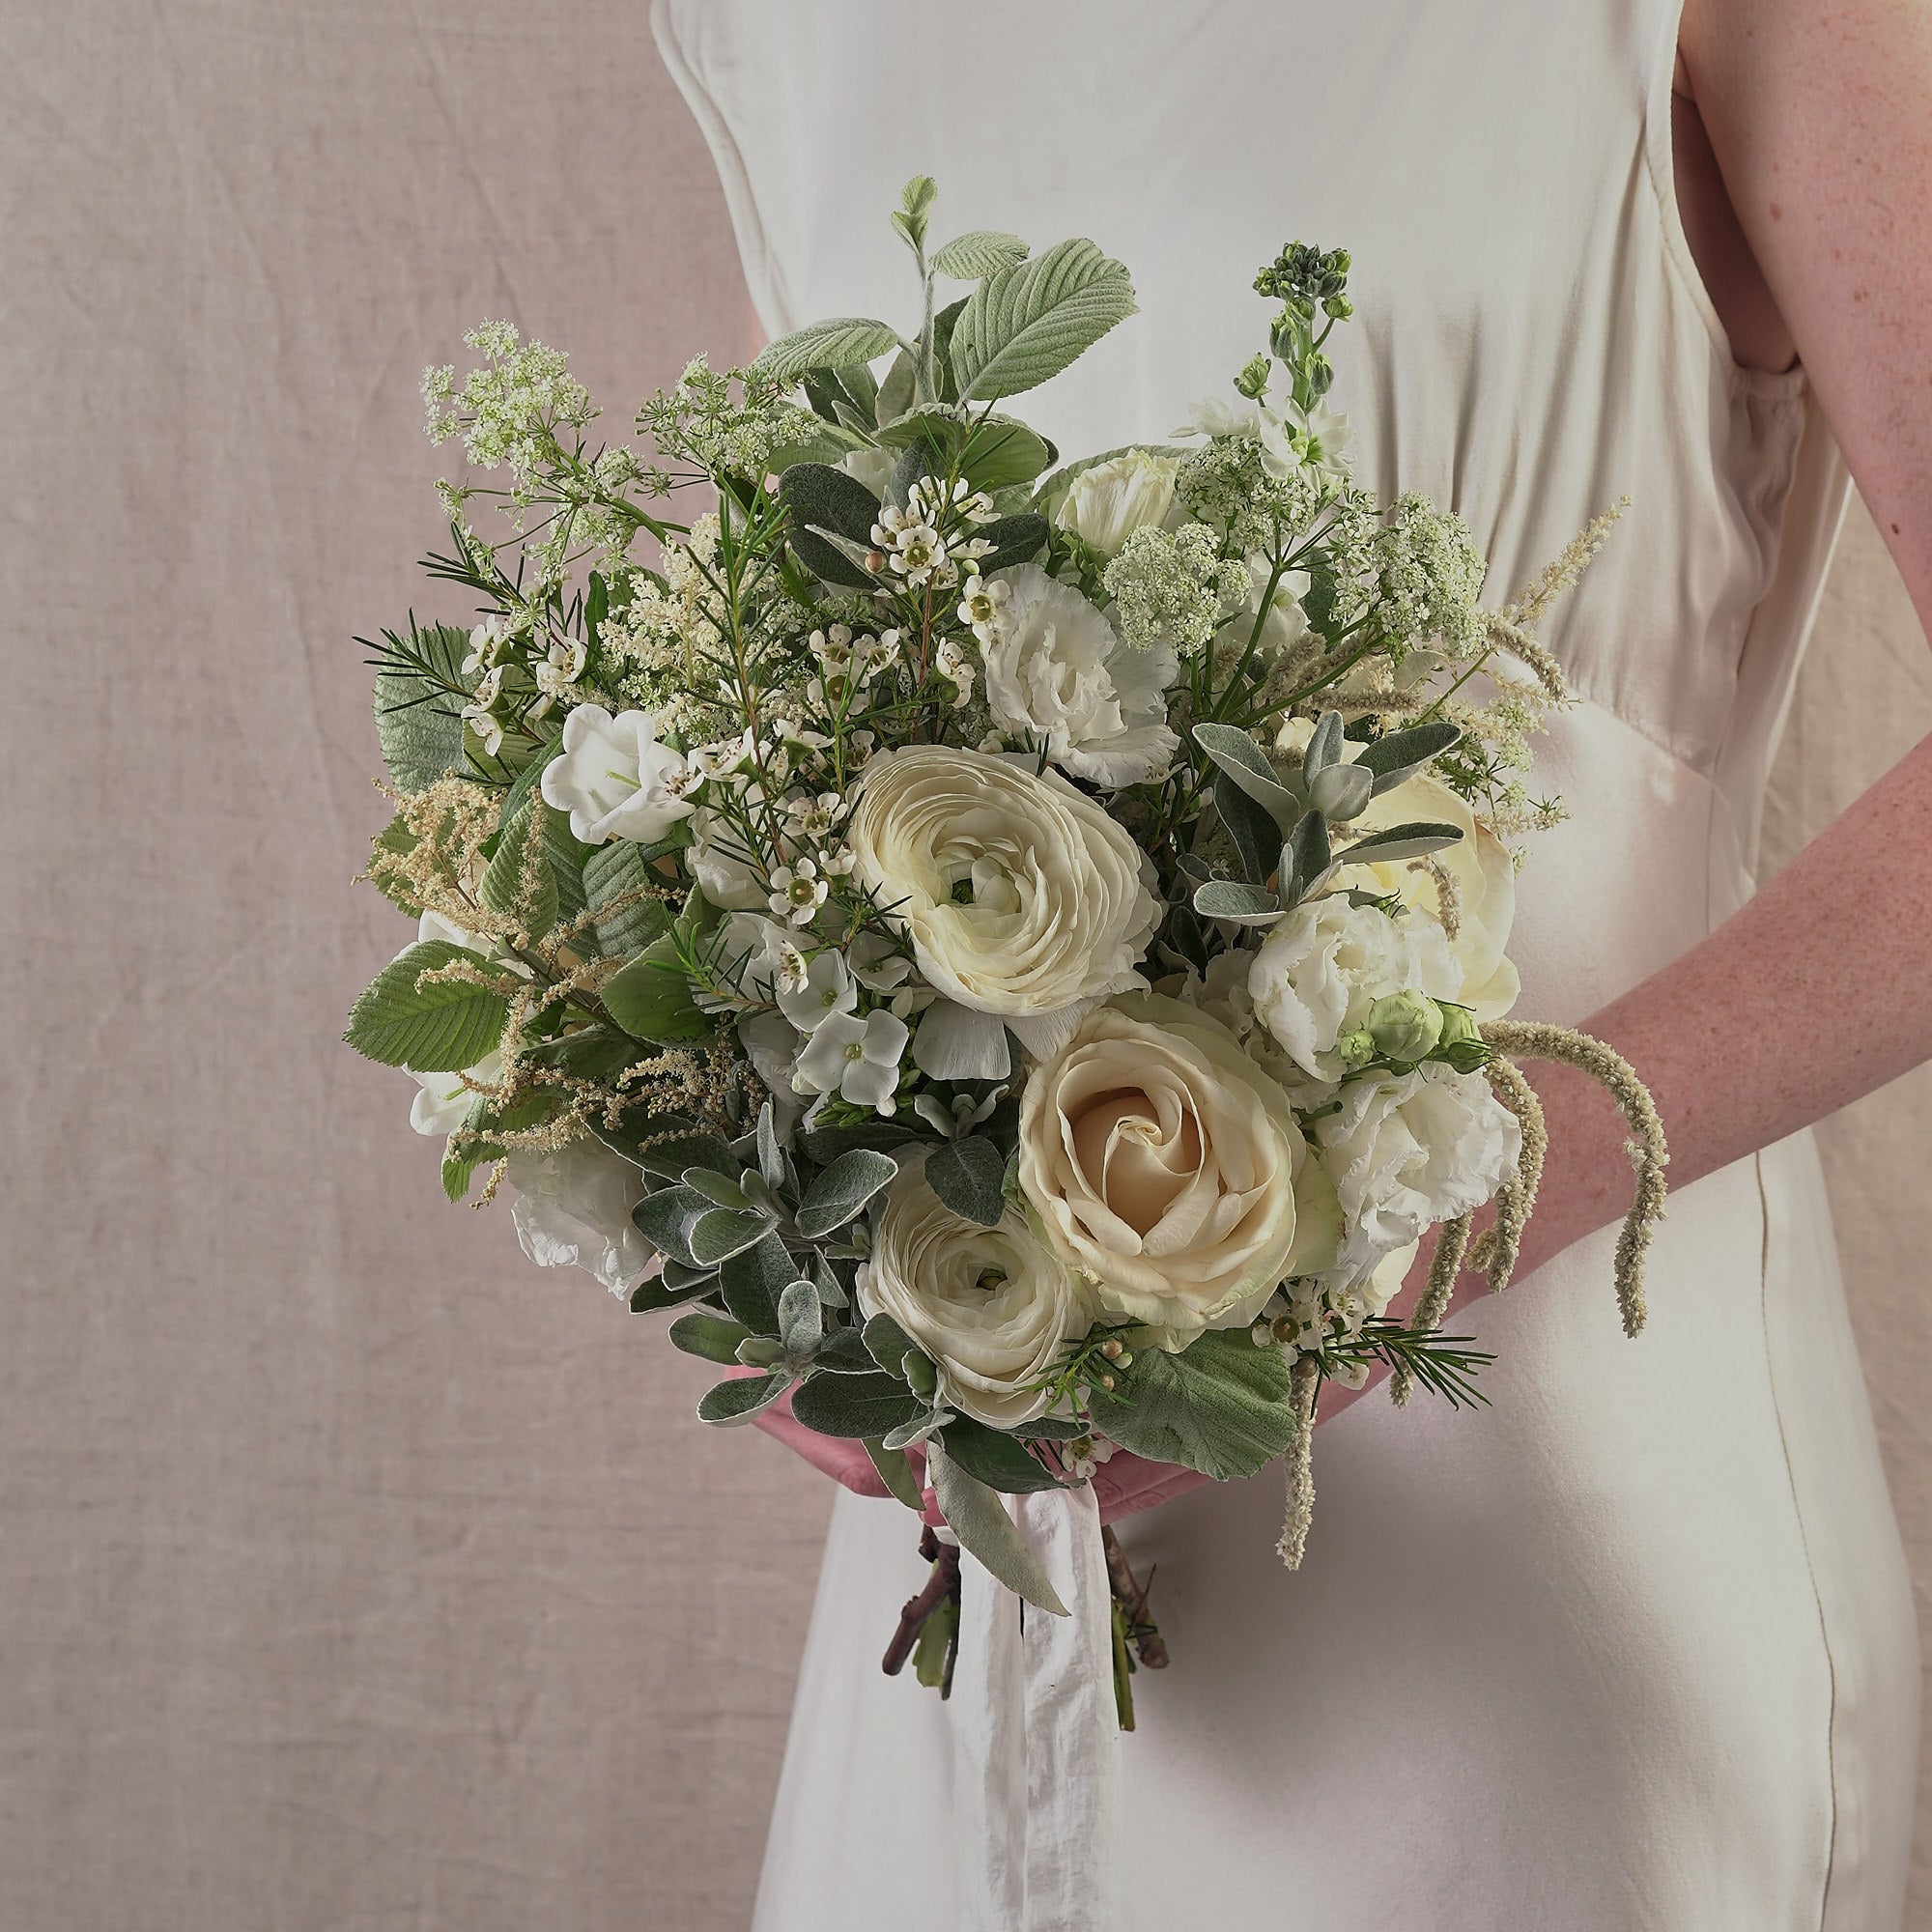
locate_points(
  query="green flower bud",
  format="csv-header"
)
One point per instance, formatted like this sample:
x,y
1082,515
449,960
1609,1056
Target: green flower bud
x,y
1406,1026
1459,1025
1253,380
1356,1047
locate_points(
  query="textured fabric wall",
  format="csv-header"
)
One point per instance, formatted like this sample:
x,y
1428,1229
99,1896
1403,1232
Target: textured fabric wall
x,y
353,1574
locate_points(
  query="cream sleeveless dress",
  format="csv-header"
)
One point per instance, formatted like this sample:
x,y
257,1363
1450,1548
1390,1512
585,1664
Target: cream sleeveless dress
x,y
1633,1648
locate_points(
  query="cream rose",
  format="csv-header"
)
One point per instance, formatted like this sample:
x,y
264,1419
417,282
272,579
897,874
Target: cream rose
x,y
1058,672
1020,895
1167,1169
1106,504
991,1306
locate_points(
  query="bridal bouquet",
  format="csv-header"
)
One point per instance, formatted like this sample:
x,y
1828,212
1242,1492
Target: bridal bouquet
x,y
1016,952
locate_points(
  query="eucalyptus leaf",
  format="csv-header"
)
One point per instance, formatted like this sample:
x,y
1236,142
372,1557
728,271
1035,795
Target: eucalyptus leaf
x,y
1399,842
801,1318
1222,1406
979,1519
1239,759
1024,323
1243,905
997,1459
895,1472
1403,753
712,1336
855,1406
842,1190
720,1232
826,345
729,1404
969,1175
441,1028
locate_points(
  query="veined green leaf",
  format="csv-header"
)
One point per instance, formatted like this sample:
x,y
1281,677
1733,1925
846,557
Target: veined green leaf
x,y
611,871
968,257
505,887
441,1028
1222,1406
826,345
1023,325
420,690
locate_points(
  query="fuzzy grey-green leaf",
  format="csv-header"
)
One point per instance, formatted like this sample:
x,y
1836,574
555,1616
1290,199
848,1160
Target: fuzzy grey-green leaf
x,y
979,1520
982,252
842,1190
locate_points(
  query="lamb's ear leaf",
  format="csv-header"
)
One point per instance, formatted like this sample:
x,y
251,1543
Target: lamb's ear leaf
x,y
820,498
979,1519
738,1401
1403,753
1222,1406
1399,842
1241,761
1251,826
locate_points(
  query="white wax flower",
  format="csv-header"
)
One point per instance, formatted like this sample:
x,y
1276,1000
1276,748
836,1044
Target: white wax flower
x,y
991,1306
1019,894
614,779
1322,967
857,1059
1060,674
1407,1151
1167,1169
574,1209
1106,504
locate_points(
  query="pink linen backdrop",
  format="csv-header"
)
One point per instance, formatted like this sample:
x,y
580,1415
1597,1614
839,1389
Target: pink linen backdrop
x,y
353,1574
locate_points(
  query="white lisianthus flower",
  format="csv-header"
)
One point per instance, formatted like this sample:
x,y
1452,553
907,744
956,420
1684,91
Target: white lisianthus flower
x,y
443,1102
857,1059
1322,967
1019,894
1058,672
614,779
725,872
1407,1151
991,1306
1167,1169
1105,505
574,1209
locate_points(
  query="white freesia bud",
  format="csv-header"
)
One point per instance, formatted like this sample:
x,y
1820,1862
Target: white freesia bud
x,y
991,1306
614,779
1019,894
1167,1169
1106,504
1057,672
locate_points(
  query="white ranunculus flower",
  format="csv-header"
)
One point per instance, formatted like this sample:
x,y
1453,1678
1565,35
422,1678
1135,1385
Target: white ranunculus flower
x,y
725,870
1407,1151
1322,967
614,779
573,1209
1058,671
1481,876
1019,894
991,1306
1167,1169
443,1102
1106,504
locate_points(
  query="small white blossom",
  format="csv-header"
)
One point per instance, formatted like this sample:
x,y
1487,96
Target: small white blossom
x,y
797,892
983,606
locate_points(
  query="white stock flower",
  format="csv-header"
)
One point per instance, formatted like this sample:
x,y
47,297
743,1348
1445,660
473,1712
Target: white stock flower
x,y
1407,1151
1106,504
991,1306
1322,967
574,1209
1058,671
614,779
1167,1169
857,1059
1019,894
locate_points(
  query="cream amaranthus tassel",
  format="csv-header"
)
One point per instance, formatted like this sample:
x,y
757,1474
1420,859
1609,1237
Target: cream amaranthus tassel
x,y
1305,1380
